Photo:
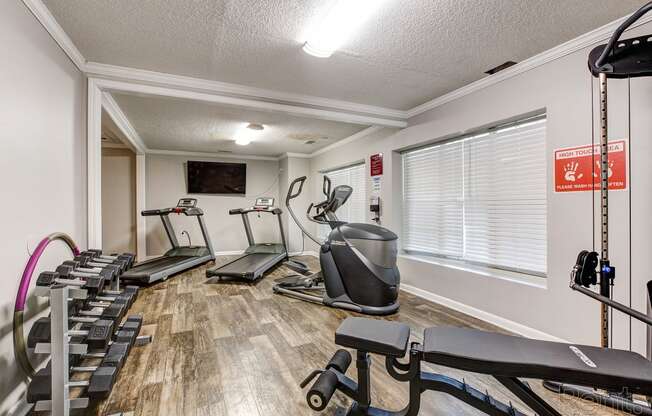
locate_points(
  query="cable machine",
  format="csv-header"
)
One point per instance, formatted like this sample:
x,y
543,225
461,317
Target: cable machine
x,y
618,59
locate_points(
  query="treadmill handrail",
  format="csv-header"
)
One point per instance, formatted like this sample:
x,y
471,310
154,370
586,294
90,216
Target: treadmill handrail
x,y
236,211
188,211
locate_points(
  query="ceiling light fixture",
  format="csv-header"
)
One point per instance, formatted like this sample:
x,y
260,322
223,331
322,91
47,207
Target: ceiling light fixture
x,y
339,23
245,134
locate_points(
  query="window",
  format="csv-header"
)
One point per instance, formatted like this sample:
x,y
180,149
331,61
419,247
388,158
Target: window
x,y
355,208
480,198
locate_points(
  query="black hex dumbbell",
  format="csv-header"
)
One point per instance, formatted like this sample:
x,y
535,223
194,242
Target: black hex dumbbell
x,y
93,284
98,387
97,335
98,256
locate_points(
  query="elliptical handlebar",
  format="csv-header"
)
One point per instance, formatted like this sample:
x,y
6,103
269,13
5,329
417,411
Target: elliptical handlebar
x,y
313,217
292,195
326,187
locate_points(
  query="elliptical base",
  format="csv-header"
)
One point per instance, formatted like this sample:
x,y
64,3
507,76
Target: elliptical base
x,y
340,303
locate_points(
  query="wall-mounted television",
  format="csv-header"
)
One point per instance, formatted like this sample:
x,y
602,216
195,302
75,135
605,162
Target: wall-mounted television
x,y
217,178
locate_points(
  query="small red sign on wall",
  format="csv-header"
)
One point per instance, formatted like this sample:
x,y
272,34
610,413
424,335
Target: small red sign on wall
x,y
376,163
577,169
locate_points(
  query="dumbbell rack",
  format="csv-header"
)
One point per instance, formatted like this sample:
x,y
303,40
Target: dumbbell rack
x,y
60,349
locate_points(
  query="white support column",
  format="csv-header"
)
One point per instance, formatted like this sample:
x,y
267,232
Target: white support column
x,y
141,225
59,351
94,166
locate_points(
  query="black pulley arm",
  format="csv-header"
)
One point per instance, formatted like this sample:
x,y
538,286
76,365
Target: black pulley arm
x,y
584,275
584,272
626,58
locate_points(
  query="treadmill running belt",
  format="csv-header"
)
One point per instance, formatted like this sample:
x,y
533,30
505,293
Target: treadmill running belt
x,y
152,266
250,266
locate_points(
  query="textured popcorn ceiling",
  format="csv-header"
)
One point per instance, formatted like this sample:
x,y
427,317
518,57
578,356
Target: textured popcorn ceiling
x,y
410,51
174,124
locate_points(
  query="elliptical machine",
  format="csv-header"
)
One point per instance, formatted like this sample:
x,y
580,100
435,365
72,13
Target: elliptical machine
x,y
358,261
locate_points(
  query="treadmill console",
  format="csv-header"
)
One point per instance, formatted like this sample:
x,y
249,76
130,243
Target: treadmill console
x,y
264,204
187,203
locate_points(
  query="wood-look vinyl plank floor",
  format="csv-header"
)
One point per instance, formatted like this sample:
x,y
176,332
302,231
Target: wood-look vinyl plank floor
x,y
235,348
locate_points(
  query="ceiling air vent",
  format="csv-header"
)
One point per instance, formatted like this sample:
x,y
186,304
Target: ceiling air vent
x,y
310,142
500,67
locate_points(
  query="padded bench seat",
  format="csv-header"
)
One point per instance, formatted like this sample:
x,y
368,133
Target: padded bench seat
x,y
373,335
510,356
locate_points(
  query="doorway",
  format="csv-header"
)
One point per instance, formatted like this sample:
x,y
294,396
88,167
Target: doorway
x,y
119,220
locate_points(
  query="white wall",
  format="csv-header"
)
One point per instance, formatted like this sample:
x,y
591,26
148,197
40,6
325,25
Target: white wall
x,y
166,183
42,164
563,88
118,200
298,167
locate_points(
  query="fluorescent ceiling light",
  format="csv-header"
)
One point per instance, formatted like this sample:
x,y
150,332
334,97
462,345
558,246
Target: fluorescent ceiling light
x,y
247,132
341,21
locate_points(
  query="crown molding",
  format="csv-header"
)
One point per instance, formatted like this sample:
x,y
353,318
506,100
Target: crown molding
x,y
344,117
308,105
216,155
110,145
120,119
588,39
237,90
296,155
43,15
352,138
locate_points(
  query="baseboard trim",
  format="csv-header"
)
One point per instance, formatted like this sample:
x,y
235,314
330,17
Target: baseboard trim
x,y
503,323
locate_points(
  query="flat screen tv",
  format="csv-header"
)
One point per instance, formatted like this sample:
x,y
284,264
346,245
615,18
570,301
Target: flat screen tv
x,y
217,178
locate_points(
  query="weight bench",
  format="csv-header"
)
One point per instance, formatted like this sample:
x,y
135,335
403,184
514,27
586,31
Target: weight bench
x,y
506,358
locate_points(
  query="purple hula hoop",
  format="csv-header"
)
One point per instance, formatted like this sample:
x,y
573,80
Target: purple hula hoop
x,y
20,350
21,297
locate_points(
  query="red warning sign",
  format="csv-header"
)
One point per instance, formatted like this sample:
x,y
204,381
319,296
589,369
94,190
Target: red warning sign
x,y
577,169
376,164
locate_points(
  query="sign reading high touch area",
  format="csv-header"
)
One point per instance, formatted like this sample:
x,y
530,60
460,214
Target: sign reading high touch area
x,y
577,169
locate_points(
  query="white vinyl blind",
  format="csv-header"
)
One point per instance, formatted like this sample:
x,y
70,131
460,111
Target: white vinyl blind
x,y
354,210
481,199
433,189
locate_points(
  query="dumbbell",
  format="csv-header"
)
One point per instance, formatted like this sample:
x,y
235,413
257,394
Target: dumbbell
x,y
105,307
88,260
97,335
129,257
98,387
67,271
82,264
93,284
79,271
85,265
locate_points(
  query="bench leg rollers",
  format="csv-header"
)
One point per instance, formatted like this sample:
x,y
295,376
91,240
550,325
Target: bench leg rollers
x,y
340,361
321,392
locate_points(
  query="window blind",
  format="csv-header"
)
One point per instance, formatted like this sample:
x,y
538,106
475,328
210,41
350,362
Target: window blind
x,y
481,199
354,210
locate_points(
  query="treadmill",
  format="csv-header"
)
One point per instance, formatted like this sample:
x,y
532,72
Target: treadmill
x,y
258,257
178,258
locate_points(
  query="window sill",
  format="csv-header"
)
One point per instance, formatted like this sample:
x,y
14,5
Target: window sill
x,y
520,278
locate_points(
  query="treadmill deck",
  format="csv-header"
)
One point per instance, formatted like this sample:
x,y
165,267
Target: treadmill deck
x,y
249,266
